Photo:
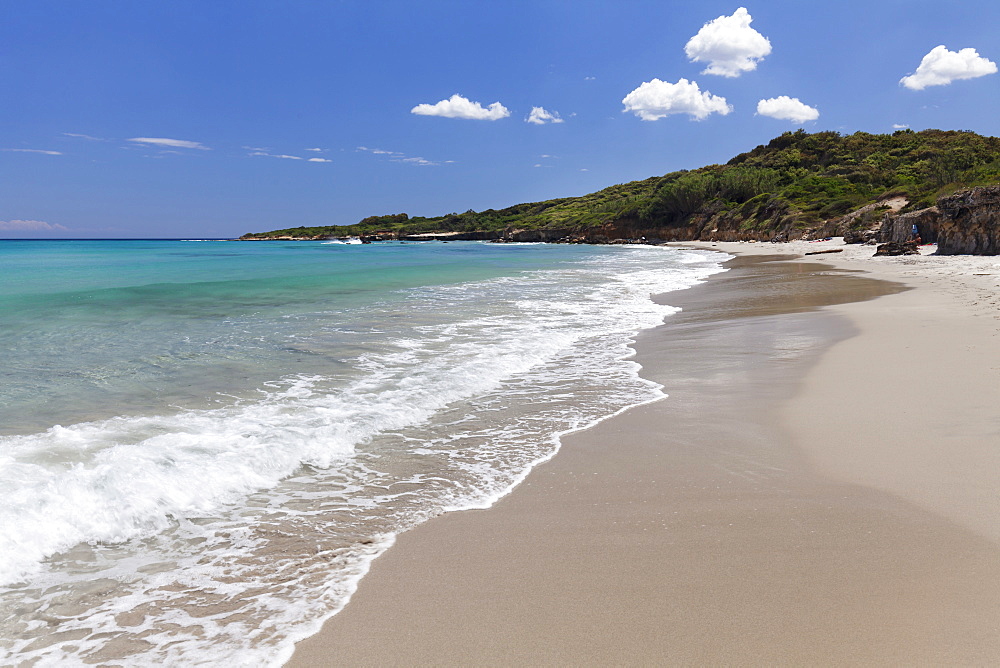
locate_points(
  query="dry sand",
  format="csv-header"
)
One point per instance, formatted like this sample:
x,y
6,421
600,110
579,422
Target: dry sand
x,y
821,487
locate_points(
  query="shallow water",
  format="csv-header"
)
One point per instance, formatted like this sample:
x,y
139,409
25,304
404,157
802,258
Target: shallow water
x,y
204,444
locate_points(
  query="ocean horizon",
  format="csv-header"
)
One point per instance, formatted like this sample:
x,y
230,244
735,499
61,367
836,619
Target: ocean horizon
x,y
203,446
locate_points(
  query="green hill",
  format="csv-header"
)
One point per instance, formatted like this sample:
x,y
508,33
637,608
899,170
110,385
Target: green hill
x,y
797,184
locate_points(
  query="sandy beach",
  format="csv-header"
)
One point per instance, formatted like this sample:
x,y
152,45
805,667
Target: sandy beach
x,y
821,486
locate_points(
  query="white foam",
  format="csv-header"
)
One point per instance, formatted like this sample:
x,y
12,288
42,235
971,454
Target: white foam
x,y
475,400
349,241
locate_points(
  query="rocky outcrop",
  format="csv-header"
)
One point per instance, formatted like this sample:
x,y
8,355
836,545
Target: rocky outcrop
x,y
862,225
967,222
862,236
898,248
970,222
899,228
545,235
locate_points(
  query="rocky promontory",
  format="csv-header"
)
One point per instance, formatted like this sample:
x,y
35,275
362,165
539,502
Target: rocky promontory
x,y
867,188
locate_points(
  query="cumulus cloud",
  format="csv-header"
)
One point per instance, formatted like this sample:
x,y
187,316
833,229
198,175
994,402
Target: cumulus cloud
x,y
656,99
30,226
899,126
787,109
170,143
941,66
461,107
729,45
31,150
539,116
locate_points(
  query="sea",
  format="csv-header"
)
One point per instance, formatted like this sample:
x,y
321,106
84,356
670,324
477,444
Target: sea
x,y
205,443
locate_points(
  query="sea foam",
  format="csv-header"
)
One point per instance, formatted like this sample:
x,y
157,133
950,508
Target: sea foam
x,y
468,388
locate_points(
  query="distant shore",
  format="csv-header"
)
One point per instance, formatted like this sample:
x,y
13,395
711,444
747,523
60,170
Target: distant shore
x,y
822,486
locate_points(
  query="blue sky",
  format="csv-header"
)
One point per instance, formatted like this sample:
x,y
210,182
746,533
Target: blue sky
x,y
197,119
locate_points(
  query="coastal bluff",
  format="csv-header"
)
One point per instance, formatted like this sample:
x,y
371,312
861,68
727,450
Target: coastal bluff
x,y
865,187
970,222
964,223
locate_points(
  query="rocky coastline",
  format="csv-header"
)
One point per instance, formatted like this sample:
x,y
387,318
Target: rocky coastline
x,y
964,223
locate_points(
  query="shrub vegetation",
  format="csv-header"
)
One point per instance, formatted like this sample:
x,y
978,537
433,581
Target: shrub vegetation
x,y
797,179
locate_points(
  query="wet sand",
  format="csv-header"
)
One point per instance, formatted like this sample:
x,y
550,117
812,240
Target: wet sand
x,y
774,509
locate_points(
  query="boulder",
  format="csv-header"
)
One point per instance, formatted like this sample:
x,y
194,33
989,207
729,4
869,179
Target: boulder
x,y
896,248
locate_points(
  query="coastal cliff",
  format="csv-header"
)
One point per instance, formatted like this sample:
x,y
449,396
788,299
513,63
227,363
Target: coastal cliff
x,y
964,223
865,187
970,222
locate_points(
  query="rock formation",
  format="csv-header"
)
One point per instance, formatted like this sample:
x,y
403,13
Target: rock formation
x,y
970,222
897,248
900,228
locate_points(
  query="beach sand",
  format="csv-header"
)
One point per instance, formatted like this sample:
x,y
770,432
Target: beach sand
x,y
822,486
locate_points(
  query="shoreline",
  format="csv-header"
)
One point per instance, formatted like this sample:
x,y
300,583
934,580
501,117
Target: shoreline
x,y
925,342
712,526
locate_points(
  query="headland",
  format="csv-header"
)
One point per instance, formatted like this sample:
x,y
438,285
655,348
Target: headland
x,y
938,185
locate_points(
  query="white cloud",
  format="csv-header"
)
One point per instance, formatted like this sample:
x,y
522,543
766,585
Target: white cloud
x,y
172,143
396,156
589,78
421,162
31,150
318,160
787,109
941,66
729,45
460,107
378,151
899,126
315,150
539,116
276,155
30,226
79,136
656,99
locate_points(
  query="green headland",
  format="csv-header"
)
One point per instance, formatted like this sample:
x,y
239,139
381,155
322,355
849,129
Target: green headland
x,y
798,185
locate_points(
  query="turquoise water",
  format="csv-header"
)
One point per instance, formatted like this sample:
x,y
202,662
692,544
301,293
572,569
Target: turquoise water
x,y
203,444
124,325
